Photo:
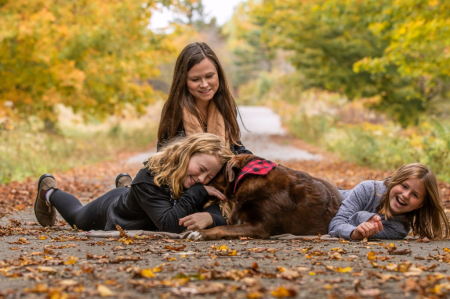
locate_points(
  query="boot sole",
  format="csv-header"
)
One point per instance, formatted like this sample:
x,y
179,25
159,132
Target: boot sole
x,y
120,176
37,196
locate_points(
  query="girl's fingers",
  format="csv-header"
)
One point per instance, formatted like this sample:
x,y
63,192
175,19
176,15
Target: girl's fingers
x,y
181,221
375,229
380,226
189,223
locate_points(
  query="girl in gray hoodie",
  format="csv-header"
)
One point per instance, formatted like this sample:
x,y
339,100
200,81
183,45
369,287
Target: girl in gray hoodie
x,y
390,209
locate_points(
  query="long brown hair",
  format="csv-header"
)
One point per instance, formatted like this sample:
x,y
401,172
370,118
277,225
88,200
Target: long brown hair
x,y
171,163
180,97
428,220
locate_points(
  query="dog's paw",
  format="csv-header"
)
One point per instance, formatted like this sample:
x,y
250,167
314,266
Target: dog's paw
x,y
195,236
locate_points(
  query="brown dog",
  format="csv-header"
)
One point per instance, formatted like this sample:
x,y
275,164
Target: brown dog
x,y
283,201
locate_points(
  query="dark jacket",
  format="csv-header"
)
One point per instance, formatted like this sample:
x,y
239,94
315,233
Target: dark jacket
x,y
149,207
236,149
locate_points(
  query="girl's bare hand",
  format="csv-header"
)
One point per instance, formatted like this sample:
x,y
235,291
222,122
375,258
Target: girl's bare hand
x,y
196,221
214,192
364,230
376,221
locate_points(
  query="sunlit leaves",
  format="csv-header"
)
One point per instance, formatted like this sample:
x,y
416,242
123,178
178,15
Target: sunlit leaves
x,y
93,56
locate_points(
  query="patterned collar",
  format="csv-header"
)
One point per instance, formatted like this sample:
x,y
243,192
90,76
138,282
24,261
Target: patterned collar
x,y
258,167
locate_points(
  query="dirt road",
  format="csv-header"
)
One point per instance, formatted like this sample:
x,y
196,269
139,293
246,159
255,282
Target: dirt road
x,y
39,262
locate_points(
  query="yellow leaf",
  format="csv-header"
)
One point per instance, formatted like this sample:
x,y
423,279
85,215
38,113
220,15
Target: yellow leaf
x,y
223,247
104,291
233,253
47,269
147,273
339,269
311,273
282,292
72,260
327,286
344,270
42,237
335,249
255,295
157,269
371,255
172,259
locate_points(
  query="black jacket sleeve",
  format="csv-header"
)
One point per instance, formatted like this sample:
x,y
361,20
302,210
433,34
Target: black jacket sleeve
x,y
240,149
216,214
164,214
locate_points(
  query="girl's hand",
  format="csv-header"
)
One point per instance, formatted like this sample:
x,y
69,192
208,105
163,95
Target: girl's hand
x,y
196,221
366,230
214,192
376,221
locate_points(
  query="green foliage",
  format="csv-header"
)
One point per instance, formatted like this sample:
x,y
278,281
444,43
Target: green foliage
x,y
28,152
394,51
90,55
250,54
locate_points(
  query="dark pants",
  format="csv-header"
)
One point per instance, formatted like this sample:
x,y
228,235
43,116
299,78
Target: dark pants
x,y
89,217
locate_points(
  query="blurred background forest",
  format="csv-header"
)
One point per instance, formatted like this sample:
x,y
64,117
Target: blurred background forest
x,y
82,80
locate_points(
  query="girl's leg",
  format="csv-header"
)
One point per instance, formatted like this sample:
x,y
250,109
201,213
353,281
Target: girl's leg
x,y
89,217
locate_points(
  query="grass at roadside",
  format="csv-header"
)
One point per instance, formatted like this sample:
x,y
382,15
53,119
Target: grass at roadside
x,y
27,151
349,129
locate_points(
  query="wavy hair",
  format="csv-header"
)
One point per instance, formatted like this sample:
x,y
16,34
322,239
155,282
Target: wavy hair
x,y
170,165
430,219
180,97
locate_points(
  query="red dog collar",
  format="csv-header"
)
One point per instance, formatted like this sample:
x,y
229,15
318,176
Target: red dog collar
x,y
258,167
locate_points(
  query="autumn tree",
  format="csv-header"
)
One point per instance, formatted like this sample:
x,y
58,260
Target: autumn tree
x,y
251,54
90,55
393,51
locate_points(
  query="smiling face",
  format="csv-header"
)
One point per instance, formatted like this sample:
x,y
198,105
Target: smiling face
x,y
202,169
203,80
407,196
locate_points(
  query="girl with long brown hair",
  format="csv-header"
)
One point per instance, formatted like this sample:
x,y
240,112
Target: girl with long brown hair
x,y
200,100
168,194
389,209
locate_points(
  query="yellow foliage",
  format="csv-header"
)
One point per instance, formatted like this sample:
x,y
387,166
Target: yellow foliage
x,y
80,54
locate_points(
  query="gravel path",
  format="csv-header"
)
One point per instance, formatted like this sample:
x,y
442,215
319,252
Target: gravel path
x,y
37,262
261,126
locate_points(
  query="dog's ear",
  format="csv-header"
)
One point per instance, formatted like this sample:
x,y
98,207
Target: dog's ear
x,y
236,162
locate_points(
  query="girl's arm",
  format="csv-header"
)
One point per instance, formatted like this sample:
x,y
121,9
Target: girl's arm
x,y
162,212
353,210
240,148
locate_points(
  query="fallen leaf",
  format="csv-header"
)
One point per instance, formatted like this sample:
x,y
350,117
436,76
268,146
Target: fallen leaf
x,y
175,248
104,291
47,269
283,292
38,288
147,273
339,269
369,292
72,260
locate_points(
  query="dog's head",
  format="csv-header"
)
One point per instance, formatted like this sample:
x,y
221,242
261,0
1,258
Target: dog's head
x,y
235,165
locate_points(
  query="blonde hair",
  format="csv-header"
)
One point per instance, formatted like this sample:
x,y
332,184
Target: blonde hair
x,y
169,166
428,220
